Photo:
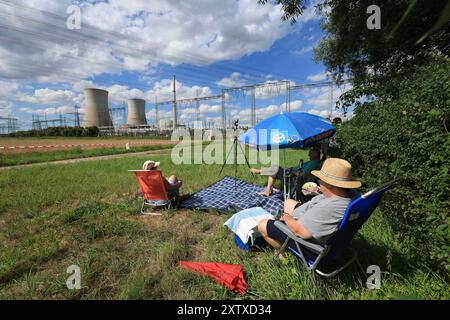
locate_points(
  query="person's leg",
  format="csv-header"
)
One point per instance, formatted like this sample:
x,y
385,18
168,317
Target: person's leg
x,y
176,192
268,190
255,171
262,228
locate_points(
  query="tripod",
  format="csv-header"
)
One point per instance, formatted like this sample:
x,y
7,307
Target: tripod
x,y
235,148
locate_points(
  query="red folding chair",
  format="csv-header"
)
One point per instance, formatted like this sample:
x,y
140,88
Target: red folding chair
x,y
155,194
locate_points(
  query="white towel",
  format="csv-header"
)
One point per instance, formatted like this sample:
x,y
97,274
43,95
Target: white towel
x,y
245,222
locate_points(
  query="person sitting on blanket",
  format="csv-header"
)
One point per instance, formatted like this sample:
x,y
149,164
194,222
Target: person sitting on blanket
x,y
276,172
171,183
319,218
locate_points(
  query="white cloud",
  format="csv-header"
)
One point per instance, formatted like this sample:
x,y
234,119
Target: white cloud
x,y
205,108
132,35
163,91
244,115
318,76
49,97
79,86
321,113
5,108
7,88
49,111
303,50
234,80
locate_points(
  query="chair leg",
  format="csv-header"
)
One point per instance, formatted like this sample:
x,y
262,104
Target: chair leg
x,y
360,268
142,207
144,212
282,248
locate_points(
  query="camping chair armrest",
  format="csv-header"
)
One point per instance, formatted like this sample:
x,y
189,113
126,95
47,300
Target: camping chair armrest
x,y
285,229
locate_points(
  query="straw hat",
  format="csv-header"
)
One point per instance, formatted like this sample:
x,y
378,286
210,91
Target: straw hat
x,y
337,172
150,164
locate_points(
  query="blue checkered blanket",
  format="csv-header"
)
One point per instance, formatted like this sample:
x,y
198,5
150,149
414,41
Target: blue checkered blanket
x,y
232,195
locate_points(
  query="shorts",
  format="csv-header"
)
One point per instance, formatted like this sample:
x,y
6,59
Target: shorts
x,y
278,235
277,172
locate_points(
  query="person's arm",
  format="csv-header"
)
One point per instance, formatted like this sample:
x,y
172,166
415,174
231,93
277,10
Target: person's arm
x,y
296,226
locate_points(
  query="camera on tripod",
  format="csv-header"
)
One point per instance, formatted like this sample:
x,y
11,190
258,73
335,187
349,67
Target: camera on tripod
x,y
236,124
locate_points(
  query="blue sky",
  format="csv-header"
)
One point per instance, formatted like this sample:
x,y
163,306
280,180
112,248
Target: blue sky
x,y
133,48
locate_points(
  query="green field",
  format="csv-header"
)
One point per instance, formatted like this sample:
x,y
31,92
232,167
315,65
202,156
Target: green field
x,y
8,159
85,214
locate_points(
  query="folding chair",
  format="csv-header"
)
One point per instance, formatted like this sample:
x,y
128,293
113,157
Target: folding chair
x,y
358,211
155,194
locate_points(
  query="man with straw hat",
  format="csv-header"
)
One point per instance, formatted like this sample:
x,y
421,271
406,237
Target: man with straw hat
x,y
319,218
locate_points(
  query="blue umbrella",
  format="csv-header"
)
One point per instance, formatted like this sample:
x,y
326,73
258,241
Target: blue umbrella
x,y
288,130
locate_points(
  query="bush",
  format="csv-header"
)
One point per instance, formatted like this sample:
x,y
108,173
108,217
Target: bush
x,y
408,138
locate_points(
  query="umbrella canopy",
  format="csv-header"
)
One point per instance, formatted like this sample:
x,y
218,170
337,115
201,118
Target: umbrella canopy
x,y
288,130
228,275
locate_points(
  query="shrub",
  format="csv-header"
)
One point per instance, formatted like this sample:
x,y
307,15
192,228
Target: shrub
x,y
408,138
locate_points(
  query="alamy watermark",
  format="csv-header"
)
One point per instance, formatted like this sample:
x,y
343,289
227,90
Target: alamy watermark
x,y
73,22
374,20
374,279
73,282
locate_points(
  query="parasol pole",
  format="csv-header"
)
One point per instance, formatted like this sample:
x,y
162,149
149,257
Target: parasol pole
x,y
284,172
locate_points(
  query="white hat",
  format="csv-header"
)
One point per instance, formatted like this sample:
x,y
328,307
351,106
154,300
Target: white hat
x,y
150,164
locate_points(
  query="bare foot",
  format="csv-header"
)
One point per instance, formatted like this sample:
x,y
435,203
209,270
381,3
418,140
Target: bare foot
x,y
283,256
266,192
254,171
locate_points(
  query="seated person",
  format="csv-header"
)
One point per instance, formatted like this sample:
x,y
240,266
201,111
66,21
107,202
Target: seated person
x,y
318,219
276,172
171,183
325,148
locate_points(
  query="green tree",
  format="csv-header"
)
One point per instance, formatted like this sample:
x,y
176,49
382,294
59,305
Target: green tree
x,y
401,89
377,59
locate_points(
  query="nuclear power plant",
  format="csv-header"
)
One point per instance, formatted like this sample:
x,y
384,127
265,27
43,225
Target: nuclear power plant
x,y
136,112
96,108
168,115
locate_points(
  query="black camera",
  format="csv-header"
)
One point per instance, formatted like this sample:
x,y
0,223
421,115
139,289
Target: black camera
x,y
236,124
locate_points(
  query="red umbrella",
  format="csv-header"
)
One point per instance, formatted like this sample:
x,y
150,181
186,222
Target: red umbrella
x,y
229,275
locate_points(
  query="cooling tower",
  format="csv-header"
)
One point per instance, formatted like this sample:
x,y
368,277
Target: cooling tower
x,y
96,111
136,112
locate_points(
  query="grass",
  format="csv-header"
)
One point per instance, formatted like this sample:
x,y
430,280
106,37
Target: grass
x,y
85,214
23,140
14,159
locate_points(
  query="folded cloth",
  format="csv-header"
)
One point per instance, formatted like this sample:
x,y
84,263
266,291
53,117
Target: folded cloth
x,y
244,223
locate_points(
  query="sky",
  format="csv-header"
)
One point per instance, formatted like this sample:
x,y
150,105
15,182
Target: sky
x,y
134,48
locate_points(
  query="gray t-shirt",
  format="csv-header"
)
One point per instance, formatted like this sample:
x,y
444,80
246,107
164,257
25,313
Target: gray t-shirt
x,y
321,216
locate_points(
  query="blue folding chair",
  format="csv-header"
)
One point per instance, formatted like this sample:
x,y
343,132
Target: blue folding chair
x,y
358,211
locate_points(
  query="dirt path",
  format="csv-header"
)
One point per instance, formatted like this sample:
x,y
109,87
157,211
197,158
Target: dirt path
x,y
108,157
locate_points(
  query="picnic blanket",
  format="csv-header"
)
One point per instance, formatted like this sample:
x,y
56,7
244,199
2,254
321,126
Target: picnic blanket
x,y
233,195
244,223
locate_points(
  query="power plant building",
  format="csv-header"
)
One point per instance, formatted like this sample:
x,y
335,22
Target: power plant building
x,y
165,124
96,112
136,112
